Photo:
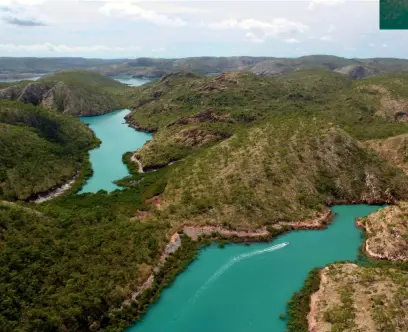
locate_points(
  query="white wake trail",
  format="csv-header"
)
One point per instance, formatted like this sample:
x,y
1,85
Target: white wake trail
x,y
233,261
222,270
239,258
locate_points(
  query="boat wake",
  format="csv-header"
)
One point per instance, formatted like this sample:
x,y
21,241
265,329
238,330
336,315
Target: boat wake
x,y
235,260
223,269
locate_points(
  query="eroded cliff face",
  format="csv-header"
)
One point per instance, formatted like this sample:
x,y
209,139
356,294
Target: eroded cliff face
x,y
33,93
77,94
58,98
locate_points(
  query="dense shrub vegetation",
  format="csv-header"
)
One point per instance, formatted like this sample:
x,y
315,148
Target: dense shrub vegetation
x,y
39,149
70,262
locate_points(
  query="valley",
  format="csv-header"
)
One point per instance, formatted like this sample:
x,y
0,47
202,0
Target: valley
x,y
236,153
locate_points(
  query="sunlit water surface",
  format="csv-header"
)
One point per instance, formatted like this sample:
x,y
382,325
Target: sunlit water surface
x,y
245,288
117,138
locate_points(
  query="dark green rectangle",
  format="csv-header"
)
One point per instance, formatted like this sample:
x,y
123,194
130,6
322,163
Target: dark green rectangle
x,y
393,14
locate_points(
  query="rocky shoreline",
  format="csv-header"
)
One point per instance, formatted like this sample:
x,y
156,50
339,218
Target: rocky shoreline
x,y
386,231
314,299
382,219
194,232
137,126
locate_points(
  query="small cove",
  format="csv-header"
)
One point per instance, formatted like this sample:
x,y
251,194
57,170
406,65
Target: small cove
x,y
117,138
245,288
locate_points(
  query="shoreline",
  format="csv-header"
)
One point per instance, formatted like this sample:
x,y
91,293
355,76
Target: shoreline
x,y
365,247
137,126
205,235
219,233
314,297
365,250
55,191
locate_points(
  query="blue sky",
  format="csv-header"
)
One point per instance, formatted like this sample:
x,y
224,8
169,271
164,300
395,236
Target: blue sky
x,y
130,29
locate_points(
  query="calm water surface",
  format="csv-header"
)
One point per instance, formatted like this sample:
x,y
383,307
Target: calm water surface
x,y
117,138
245,288
131,81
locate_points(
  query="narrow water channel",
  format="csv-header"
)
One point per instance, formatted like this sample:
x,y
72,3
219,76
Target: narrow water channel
x,y
238,288
245,288
117,138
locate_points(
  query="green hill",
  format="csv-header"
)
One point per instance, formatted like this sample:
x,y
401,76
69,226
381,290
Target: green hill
x,y
156,68
77,93
188,111
287,169
39,149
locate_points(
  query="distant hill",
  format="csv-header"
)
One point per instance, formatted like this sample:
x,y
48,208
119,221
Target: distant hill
x,y
9,65
39,149
156,68
80,93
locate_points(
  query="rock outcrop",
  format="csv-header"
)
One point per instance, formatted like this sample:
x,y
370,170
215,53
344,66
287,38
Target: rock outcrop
x,y
33,93
357,71
76,93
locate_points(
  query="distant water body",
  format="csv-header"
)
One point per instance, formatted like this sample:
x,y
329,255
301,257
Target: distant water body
x,y
245,288
117,138
11,80
131,80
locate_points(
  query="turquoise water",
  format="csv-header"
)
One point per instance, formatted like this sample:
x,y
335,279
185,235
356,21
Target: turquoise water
x,y
117,138
131,80
244,288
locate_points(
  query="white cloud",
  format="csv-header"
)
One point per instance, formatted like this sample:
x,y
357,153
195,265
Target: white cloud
x,y
22,13
331,28
62,48
254,38
384,45
291,41
258,31
326,38
129,9
159,50
273,28
314,3
21,2
372,45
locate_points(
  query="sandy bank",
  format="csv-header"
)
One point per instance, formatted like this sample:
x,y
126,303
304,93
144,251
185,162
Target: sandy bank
x,y
58,191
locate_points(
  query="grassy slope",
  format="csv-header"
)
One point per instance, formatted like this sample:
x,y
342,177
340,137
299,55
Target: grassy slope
x,y
350,289
284,170
39,149
84,93
387,232
79,93
237,100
